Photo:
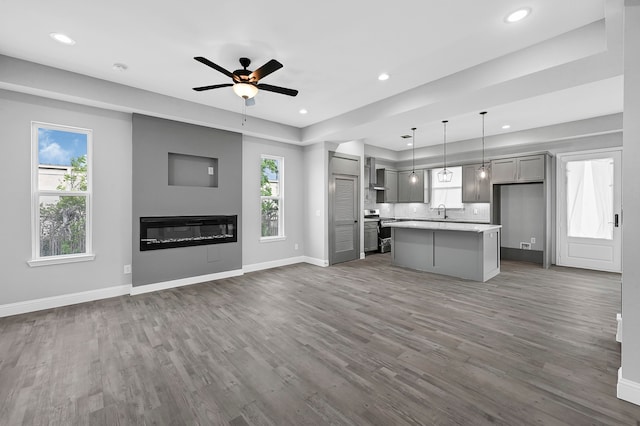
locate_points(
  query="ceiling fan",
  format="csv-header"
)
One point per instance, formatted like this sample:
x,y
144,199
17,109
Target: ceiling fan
x,y
246,82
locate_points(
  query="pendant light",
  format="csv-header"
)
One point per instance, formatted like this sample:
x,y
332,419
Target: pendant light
x,y
482,171
413,177
445,174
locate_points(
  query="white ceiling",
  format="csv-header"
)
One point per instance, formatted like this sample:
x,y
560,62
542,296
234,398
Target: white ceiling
x,y
332,53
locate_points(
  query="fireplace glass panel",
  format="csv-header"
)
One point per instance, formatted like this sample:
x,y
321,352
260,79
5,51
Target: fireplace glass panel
x,y
183,231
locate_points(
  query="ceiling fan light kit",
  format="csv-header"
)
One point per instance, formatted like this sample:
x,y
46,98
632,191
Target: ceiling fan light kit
x,y
445,174
245,90
246,83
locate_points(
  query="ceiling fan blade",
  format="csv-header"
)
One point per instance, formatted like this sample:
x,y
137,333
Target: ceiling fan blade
x,y
265,70
250,102
215,86
277,89
216,67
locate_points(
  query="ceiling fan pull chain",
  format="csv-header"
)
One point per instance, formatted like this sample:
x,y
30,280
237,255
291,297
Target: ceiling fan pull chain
x,y
244,112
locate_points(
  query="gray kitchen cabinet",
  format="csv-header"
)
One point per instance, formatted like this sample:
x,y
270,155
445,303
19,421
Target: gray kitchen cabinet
x,y
503,170
390,179
370,236
409,192
474,189
530,168
519,169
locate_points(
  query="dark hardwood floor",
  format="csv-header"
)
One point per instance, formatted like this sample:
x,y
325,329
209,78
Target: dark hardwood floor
x,y
355,344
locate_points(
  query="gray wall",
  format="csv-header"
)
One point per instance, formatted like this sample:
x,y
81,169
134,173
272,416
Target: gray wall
x,y
111,199
522,211
153,139
631,197
316,167
255,251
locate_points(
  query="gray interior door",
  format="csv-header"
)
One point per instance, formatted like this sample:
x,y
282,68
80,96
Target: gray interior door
x,y
346,229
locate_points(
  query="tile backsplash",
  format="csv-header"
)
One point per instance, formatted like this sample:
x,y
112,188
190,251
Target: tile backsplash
x,y
475,212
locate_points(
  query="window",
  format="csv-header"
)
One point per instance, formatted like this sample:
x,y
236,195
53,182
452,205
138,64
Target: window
x,y
448,194
590,198
61,192
272,197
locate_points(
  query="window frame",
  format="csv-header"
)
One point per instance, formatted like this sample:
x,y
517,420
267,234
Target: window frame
x,y
36,193
280,198
435,185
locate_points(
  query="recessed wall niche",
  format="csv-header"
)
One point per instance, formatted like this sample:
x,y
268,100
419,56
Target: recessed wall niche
x,y
193,170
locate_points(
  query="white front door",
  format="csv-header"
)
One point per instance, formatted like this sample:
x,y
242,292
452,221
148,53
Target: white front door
x,y
589,229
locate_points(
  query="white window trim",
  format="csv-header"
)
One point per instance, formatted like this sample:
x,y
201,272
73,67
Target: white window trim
x,y
36,259
434,185
281,203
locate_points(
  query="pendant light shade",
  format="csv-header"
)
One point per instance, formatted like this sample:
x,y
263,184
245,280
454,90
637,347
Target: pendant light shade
x,y
413,177
483,173
445,174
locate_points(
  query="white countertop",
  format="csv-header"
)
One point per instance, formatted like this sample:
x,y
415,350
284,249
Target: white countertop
x,y
443,226
437,219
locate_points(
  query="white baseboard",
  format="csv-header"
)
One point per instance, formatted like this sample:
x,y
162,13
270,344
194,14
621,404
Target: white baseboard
x,y
272,264
108,292
628,390
316,261
63,300
619,329
148,288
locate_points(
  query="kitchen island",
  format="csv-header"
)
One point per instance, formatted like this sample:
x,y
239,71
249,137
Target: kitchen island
x,y
464,250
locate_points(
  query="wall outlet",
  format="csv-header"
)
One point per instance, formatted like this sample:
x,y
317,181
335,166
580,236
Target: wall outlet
x,y
525,246
415,209
210,170
295,246
127,269
475,211
533,240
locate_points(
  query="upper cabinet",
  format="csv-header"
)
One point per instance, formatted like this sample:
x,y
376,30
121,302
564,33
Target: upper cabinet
x,y
519,169
474,189
390,179
413,192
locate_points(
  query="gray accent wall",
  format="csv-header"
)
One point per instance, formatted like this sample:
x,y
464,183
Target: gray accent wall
x,y
153,140
111,200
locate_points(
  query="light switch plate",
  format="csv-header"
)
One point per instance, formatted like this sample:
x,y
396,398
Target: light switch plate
x,y
211,171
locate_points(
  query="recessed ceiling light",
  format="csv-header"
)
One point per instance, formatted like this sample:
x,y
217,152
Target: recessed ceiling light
x,y
409,144
119,67
62,38
303,111
518,15
384,76
506,126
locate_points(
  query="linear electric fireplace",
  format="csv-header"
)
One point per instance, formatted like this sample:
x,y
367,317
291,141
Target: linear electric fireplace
x,y
184,231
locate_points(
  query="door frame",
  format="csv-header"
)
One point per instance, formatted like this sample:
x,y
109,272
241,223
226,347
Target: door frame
x,y
340,170
561,192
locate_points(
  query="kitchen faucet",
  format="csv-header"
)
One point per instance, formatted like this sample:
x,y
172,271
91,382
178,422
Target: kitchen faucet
x,y
445,210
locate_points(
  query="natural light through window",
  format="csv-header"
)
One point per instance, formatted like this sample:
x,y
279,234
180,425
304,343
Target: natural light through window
x,y
272,197
61,186
448,194
590,198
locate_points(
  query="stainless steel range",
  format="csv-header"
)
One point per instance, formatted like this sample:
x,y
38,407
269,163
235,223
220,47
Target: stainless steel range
x,y
384,233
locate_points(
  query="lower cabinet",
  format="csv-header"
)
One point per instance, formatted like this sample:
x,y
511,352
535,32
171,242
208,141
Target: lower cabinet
x,y
370,236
